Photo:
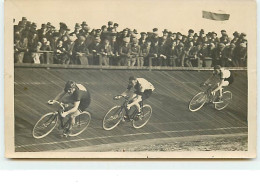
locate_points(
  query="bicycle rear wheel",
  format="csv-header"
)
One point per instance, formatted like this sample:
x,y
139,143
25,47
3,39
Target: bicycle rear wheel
x,y
81,123
226,99
45,125
144,118
197,101
113,117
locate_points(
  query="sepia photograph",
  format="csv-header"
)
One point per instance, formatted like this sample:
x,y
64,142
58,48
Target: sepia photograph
x,y
130,79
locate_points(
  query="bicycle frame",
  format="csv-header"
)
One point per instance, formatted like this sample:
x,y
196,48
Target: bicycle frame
x,y
124,106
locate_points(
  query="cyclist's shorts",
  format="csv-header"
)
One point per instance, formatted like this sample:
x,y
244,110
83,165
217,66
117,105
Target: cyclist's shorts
x,y
147,94
230,79
84,104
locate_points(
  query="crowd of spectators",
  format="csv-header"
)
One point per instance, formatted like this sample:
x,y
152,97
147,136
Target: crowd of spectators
x,y
109,46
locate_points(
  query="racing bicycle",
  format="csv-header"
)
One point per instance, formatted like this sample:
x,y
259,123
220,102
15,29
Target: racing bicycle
x,y
118,113
201,98
46,124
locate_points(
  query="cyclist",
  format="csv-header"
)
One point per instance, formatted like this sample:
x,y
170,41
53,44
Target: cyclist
x,y
226,78
142,91
78,96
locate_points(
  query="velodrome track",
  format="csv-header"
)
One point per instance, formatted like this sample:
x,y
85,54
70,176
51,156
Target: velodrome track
x,y
171,117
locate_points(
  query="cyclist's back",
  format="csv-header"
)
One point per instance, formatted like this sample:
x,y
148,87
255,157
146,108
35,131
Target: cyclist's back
x,y
81,94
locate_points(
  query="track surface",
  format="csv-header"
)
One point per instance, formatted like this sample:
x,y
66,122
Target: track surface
x,y
171,117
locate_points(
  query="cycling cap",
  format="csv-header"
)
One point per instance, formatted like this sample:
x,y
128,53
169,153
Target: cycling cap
x,y
70,84
217,67
132,78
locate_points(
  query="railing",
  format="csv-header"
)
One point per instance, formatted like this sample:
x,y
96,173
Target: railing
x,y
99,66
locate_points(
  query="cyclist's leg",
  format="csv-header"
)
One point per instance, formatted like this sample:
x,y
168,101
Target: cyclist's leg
x,y
224,84
71,121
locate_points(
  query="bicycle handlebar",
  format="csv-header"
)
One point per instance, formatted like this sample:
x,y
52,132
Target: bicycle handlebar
x,y
120,96
60,103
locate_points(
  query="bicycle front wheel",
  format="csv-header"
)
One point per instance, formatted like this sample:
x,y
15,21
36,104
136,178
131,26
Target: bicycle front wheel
x,y
226,99
197,101
113,117
45,125
81,123
144,118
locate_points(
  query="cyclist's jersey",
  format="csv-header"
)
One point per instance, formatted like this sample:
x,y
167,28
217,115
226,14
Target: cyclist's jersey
x,y
226,75
81,94
141,86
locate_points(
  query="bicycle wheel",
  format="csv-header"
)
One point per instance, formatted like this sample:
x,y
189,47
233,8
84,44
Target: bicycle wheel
x,y
113,117
81,123
226,98
144,118
197,101
45,125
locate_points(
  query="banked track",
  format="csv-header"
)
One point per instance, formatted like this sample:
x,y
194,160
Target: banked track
x,y
171,117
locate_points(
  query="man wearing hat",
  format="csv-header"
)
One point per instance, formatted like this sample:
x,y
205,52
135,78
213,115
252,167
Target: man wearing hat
x,y
110,26
180,55
80,52
201,36
240,54
125,52
155,34
94,50
84,29
214,39
76,31
115,27
24,20
142,39
190,33
42,32
218,54
145,54
228,56
135,52
105,52
224,38
165,32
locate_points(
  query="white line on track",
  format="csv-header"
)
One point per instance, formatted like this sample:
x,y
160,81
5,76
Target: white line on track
x,y
76,140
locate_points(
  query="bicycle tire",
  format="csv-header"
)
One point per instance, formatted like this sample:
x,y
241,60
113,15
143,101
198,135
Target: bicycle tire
x,y
226,98
119,115
200,95
52,116
135,122
78,128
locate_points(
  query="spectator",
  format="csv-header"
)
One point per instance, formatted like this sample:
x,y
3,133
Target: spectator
x,y
75,34
135,52
228,56
171,55
46,48
218,54
61,54
21,46
80,52
106,52
125,52
145,53
95,49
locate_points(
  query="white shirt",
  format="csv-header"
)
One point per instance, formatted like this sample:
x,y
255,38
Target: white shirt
x,y
224,73
145,85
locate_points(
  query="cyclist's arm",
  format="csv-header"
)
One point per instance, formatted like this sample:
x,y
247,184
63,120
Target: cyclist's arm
x,y
59,96
219,86
209,79
125,93
73,109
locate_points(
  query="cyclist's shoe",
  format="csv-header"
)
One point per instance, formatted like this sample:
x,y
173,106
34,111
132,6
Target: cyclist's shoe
x,y
138,116
126,118
66,132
